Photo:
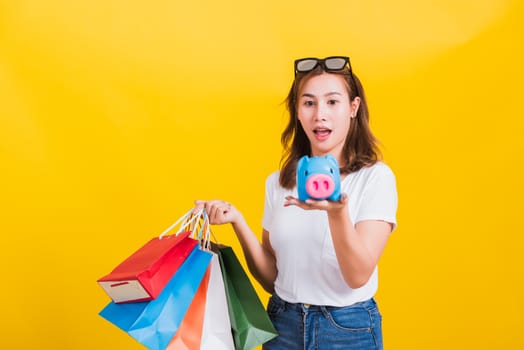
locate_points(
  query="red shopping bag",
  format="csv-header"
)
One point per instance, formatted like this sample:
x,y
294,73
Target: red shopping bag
x,y
143,275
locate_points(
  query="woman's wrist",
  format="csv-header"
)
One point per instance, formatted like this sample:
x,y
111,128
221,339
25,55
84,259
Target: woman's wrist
x,y
337,214
338,210
238,222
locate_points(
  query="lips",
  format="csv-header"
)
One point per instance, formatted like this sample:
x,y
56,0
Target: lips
x,y
321,133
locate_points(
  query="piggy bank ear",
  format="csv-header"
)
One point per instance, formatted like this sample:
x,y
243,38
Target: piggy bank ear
x,y
332,160
303,162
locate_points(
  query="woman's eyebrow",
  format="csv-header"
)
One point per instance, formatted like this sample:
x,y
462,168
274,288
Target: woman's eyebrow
x,y
333,93
306,94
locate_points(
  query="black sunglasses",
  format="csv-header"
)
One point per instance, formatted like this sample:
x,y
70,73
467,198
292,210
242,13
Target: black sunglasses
x,y
332,63
329,64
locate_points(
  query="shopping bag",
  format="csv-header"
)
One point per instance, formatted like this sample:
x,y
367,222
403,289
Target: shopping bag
x,y
189,333
250,323
153,323
142,275
216,332
216,329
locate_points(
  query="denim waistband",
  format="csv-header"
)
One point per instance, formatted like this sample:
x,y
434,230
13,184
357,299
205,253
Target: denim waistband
x,y
310,307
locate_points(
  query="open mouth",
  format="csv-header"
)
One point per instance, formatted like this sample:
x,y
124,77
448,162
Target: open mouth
x,y
322,133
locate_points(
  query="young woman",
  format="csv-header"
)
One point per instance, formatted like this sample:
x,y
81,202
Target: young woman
x,y
318,258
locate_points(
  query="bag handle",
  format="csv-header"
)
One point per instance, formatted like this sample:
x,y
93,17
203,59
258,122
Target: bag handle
x,y
199,225
184,220
201,229
206,241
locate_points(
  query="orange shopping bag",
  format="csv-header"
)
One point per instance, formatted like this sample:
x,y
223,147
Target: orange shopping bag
x,y
189,333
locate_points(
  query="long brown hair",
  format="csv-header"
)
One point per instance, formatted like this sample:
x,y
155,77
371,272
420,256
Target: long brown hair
x,y
360,149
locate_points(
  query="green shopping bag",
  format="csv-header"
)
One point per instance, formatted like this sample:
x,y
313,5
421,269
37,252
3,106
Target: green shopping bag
x,y
250,323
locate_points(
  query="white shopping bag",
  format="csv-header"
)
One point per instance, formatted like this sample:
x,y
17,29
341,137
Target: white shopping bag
x,y
216,332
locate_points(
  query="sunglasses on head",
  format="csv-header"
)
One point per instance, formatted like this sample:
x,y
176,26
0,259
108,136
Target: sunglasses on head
x,y
329,64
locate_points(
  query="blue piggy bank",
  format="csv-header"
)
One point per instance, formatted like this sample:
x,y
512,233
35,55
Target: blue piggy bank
x,y
318,178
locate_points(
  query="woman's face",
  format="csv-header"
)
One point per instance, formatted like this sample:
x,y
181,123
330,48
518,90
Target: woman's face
x,y
325,113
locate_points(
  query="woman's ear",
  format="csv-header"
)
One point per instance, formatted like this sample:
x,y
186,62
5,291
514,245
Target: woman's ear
x,y
354,106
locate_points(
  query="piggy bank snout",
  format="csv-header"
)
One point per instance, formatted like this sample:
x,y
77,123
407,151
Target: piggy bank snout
x,y
320,186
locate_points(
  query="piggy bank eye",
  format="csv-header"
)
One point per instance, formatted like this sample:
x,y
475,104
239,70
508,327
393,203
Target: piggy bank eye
x,y
306,173
331,169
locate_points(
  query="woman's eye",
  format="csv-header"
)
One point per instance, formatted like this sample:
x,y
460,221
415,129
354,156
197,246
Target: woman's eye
x,y
309,103
332,102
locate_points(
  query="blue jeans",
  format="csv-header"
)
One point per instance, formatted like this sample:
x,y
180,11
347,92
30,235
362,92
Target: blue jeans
x,y
312,327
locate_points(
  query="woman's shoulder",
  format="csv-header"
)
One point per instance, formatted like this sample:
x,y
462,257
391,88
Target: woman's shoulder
x,y
273,178
273,188
377,170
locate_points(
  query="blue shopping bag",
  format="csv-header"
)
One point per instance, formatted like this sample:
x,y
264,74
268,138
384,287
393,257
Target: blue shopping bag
x,y
153,323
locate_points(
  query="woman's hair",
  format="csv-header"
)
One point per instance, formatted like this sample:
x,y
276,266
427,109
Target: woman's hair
x,y
360,149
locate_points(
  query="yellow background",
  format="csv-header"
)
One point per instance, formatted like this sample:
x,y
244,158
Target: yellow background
x,y
115,115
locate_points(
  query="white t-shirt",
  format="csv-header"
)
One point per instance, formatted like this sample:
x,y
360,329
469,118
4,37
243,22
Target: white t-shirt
x,y
308,270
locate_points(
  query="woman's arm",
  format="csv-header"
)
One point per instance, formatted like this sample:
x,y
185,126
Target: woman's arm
x,y
260,257
357,247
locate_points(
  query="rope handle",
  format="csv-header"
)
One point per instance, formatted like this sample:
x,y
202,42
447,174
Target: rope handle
x,y
200,228
199,225
185,222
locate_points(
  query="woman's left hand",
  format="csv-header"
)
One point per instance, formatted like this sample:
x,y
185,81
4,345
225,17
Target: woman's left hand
x,y
311,204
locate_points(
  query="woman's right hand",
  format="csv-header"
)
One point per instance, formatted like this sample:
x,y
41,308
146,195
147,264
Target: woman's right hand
x,y
219,211
260,259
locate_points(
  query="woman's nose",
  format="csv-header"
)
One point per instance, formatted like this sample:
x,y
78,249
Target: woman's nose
x,y
321,112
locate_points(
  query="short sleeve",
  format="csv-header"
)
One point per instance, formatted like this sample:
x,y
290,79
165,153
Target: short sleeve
x,y
379,201
271,185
